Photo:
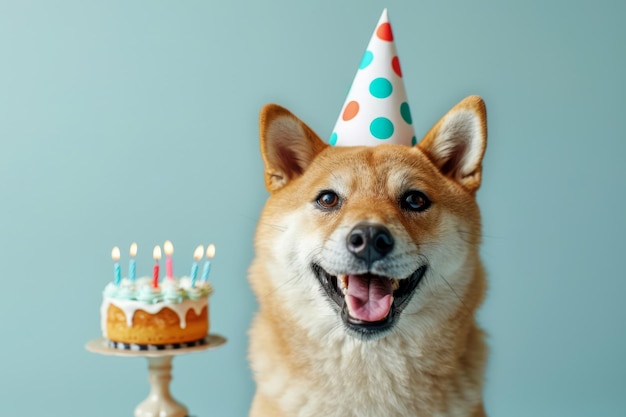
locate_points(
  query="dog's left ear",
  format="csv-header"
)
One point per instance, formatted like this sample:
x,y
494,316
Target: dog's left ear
x,y
288,146
456,144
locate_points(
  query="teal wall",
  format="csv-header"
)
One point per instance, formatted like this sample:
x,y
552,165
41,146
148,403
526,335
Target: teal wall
x,y
137,120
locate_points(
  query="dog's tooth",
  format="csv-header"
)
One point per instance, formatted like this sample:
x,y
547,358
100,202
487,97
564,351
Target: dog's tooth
x,y
344,281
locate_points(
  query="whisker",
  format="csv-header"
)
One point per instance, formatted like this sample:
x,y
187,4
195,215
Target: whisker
x,y
467,309
275,290
313,254
274,226
480,234
329,171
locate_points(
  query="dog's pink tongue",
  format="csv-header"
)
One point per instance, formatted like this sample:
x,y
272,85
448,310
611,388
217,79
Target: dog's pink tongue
x,y
369,297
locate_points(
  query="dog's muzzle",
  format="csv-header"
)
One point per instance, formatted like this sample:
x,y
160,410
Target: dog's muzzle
x,y
369,304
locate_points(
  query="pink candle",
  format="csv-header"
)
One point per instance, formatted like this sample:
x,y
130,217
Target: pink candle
x,y
156,254
168,248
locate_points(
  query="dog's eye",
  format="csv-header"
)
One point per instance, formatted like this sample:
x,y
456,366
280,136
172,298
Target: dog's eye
x,y
327,200
414,200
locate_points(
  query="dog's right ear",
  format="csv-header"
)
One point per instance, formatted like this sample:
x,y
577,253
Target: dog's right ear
x,y
288,146
456,144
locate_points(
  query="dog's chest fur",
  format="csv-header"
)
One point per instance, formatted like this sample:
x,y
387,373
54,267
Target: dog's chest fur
x,y
345,377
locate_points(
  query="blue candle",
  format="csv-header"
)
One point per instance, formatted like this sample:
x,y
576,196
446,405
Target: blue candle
x,y
206,270
118,274
197,255
115,254
132,266
210,253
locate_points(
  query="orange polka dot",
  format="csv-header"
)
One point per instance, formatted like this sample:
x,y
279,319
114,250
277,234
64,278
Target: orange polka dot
x,y
384,32
351,110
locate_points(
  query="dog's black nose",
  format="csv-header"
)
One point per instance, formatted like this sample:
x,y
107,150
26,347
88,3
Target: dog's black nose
x,y
369,242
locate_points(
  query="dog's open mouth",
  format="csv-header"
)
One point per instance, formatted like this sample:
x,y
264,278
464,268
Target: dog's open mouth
x,y
369,304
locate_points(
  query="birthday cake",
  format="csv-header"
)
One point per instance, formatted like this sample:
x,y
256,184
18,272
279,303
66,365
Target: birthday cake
x,y
146,312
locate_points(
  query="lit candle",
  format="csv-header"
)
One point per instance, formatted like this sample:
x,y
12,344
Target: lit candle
x,y
197,255
156,254
132,266
210,253
115,254
168,248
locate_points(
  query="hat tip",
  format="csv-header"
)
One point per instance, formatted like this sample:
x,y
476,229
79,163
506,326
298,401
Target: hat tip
x,y
384,17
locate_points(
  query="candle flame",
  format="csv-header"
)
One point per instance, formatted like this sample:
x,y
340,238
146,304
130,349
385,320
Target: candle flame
x,y
210,251
156,253
115,254
168,248
133,249
197,254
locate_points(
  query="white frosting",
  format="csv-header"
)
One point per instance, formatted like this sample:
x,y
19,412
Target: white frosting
x,y
129,307
172,291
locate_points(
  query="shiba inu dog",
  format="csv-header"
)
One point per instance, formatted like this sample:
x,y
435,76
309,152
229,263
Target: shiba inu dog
x,y
367,273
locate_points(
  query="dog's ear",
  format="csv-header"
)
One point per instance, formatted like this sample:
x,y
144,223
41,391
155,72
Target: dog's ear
x,y
456,144
287,145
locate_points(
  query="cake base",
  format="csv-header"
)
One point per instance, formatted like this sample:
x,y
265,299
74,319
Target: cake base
x,y
147,347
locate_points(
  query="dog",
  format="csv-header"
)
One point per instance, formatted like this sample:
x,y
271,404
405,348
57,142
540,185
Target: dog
x,y
367,273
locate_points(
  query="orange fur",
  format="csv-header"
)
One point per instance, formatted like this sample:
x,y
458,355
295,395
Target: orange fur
x,y
431,362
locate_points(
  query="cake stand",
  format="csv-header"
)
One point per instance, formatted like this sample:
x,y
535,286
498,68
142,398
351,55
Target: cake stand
x,y
159,402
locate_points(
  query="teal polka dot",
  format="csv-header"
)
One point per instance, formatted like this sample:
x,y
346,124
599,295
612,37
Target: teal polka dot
x,y
381,88
381,128
333,139
406,112
368,57
414,141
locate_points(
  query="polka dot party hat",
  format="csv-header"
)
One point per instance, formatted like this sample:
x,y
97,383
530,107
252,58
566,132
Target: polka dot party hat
x,y
376,110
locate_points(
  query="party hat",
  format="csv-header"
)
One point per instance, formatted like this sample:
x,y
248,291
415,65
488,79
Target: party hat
x,y
376,110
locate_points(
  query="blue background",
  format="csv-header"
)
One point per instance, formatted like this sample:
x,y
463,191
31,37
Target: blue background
x,y
127,121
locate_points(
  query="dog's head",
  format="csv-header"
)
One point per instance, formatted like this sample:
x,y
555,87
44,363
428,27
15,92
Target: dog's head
x,y
363,239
